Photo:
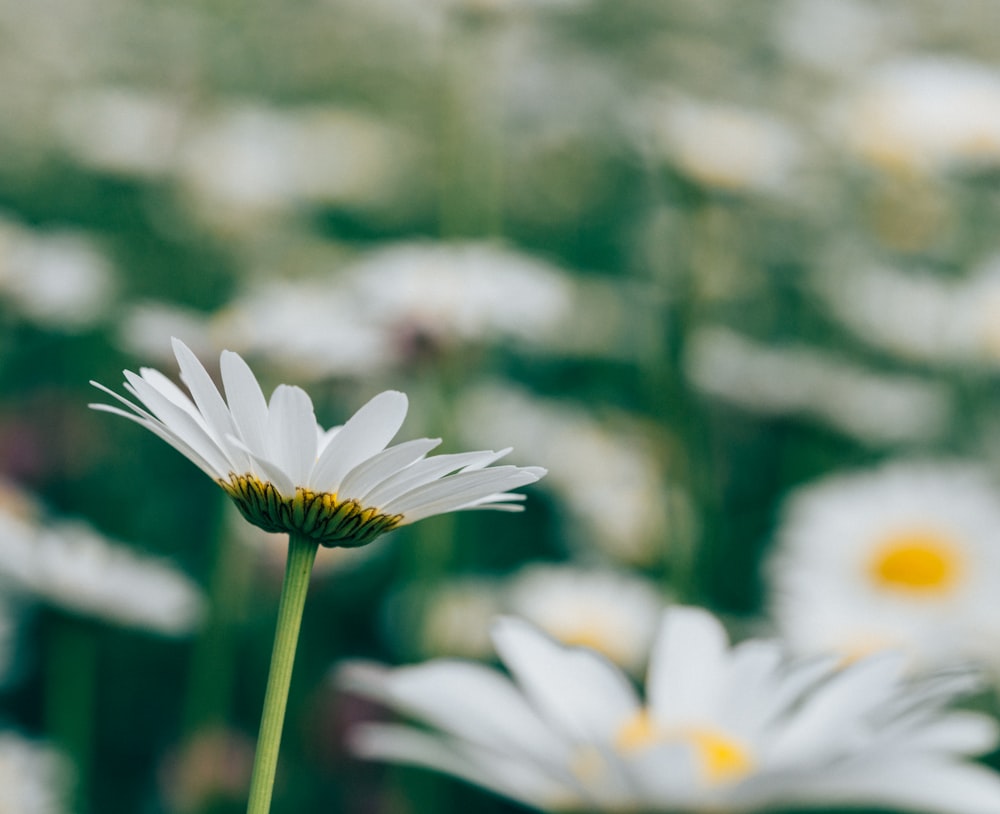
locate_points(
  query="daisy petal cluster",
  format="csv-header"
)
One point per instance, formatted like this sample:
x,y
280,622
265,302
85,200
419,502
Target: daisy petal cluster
x,y
34,778
720,728
70,565
339,487
905,556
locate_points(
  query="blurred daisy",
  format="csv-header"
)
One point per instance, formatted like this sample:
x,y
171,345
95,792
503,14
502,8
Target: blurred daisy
x,y
906,556
71,566
338,487
585,458
61,280
613,612
874,408
720,729
918,315
34,779
725,147
461,291
925,114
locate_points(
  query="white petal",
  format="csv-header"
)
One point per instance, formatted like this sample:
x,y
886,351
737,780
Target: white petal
x,y
958,732
246,401
426,471
500,773
162,432
577,690
204,392
455,491
833,714
369,474
909,783
367,432
687,666
267,470
291,432
465,699
180,423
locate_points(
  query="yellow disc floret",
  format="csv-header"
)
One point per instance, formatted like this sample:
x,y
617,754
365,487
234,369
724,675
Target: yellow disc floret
x,y
319,516
916,562
721,758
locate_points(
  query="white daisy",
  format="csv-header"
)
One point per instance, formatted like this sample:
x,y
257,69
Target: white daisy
x,y
612,612
338,487
720,729
925,114
872,407
71,566
725,147
906,556
34,778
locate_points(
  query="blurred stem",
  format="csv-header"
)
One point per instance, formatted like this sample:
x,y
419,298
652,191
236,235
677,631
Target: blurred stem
x,y
70,685
212,662
301,555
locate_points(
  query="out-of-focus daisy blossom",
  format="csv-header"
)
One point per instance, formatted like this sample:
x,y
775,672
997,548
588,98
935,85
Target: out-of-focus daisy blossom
x,y
907,556
71,566
613,612
338,487
720,729
925,114
872,407
34,778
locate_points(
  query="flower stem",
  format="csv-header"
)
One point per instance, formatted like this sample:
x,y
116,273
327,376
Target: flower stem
x,y
301,553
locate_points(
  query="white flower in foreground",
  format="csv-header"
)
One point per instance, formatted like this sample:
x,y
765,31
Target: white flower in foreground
x,y
34,778
71,566
720,729
338,487
906,556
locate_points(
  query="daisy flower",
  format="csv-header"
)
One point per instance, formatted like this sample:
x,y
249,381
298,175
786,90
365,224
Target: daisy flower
x,y
337,487
721,728
906,556
34,778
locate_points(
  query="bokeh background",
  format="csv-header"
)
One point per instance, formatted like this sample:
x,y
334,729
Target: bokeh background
x,y
689,255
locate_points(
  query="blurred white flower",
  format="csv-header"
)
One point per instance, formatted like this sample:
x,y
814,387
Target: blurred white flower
x,y
720,729
917,315
837,37
337,487
145,328
461,291
61,280
120,130
794,379
448,618
585,459
722,146
311,329
251,160
615,613
73,567
906,556
924,114
34,778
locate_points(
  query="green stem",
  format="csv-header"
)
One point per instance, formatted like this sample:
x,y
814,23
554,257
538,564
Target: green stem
x,y
301,554
69,697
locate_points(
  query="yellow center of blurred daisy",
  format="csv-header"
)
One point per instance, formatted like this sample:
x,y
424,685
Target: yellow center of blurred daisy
x,y
316,515
917,562
722,759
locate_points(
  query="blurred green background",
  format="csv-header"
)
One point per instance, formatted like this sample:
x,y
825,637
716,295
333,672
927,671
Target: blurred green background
x,y
661,247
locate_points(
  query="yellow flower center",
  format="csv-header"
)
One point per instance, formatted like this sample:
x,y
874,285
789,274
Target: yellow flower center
x,y
722,759
317,515
916,562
